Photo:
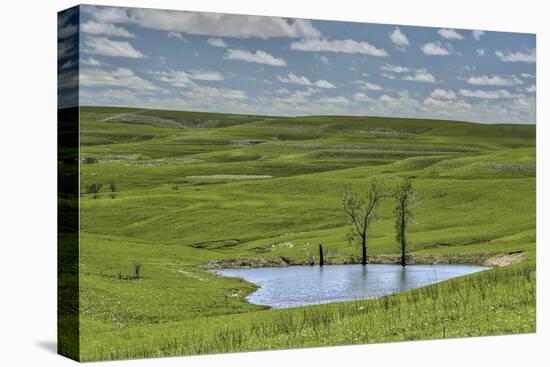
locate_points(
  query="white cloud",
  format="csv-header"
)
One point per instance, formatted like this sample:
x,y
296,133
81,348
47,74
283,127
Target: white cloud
x,y
66,31
366,85
531,89
206,75
90,61
480,52
281,91
372,86
334,100
492,94
347,46
443,94
207,24
302,80
450,34
66,48
259,57
106,47
294,79
495,80
434,49
448,108
105,29
394,68
399,38
204,94
420,76
324,84
527,75
528,57
323,59
477,34
395,105
361,97
69,64
176,35
388,76
183,79
217,42
120,77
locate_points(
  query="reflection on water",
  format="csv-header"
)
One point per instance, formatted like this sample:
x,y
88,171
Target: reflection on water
x,y
306,285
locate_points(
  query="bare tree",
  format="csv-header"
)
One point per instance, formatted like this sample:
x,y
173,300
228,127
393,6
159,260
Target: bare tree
x,y
362,210
405,201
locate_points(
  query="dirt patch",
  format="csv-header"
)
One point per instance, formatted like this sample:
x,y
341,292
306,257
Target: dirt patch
x,y
505,260
218,244
146,164
251,262
232,177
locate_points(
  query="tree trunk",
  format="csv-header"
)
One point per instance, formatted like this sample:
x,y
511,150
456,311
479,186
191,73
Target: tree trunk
x,y
364,247
321,259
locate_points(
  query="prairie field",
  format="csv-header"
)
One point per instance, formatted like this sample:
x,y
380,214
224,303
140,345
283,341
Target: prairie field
x,y
181,192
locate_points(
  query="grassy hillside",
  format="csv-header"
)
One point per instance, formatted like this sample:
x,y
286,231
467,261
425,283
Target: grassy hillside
x,y
180,190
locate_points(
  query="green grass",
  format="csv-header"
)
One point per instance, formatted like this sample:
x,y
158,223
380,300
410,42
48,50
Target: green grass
x,y
475,182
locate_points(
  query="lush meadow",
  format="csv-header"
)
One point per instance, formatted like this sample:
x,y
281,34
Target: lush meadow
x,y
177,192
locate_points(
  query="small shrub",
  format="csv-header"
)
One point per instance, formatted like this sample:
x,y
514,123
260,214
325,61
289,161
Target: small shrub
x,y
137,269
93,188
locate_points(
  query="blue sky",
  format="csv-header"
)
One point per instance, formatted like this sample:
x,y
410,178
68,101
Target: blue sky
x,y
278,66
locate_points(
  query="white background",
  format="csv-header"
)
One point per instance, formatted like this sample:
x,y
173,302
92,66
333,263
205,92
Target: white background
x,y
28,182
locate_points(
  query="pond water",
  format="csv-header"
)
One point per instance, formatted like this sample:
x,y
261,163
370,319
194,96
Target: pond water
x,y
306,285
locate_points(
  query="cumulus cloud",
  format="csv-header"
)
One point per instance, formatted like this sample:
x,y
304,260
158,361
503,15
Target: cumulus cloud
x,y
399,38
480,52
324,84
366,85
120,77
492,94
217,42
182,78
203,93
450,34
447,107
258,57
394,68
531,89
334,100
90,61
434,49
302,80
495,80
477,34
347,46
207,24
361,97
443,94
420,76
107,47
105,29
528,56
